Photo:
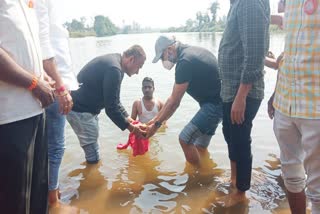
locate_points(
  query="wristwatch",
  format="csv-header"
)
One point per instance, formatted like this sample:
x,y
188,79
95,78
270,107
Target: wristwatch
x,y
157,124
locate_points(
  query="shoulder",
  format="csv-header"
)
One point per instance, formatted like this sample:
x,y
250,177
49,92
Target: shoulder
x,y
159,102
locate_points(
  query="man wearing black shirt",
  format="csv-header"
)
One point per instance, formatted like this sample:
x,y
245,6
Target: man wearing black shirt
x,y
100,82
196,73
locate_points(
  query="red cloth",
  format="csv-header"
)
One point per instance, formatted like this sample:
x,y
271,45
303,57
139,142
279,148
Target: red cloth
x,y
139,145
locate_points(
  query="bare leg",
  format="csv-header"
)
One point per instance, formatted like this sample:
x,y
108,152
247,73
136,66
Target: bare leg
x,y
233,166
233,199
53,197
297,202
190,152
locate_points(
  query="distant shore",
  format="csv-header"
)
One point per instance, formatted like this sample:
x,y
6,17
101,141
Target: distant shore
x,y
273,30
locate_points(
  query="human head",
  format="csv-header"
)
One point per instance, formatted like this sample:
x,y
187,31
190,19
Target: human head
x,y
133,59
166,50
148,87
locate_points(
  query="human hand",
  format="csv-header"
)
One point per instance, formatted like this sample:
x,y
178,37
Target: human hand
x,y
65,102
277,20
279,58
151,130
48,79
44,92
270,107
237,110
138,130
271,55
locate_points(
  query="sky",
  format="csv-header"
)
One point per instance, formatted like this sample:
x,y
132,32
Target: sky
x,y
148,13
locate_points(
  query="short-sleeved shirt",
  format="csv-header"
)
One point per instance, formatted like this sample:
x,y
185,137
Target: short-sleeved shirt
x,y
199,68
100,82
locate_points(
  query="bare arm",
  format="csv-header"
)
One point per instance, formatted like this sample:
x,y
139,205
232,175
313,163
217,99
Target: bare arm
x,y
134,112
172,103
239,104
160,105
12,73
271,63
169,107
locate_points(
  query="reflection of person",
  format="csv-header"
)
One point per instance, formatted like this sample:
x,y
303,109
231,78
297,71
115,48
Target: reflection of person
x,y
55,49
147,107
297,105
242,50
100,86
196,73
23,94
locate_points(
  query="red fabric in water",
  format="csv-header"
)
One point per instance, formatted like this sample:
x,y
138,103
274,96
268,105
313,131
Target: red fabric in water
x,y
139,145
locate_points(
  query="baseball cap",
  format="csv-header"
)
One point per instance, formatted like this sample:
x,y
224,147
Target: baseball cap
x,y
162,43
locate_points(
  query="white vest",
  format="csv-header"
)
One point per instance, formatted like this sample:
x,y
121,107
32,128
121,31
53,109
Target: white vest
x,y
146,115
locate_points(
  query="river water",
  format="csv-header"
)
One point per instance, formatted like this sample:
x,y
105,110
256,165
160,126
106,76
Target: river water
x,y
161,181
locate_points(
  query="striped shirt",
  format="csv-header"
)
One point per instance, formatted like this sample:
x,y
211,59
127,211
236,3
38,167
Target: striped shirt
x,y
298,86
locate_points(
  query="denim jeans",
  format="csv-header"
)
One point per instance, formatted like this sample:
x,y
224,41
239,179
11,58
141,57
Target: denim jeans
x,y
55,123
86,127
238,138
202,126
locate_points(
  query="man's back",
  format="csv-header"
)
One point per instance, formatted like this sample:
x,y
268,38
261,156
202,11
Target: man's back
x,y
95,79
199,67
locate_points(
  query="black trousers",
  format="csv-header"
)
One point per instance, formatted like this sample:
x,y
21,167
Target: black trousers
x,y
24,167
238,138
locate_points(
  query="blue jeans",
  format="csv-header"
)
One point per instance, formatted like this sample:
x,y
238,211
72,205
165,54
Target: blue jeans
x,y
238,138
202,126
55,126
86,127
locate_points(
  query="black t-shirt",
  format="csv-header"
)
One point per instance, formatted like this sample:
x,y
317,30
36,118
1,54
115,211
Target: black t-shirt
x,y
100,82
199,68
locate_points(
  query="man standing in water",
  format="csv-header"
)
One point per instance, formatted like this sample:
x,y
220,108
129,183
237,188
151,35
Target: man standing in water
x,y
56,60
147,107
297,105
100,82
196,73
242,50
23,95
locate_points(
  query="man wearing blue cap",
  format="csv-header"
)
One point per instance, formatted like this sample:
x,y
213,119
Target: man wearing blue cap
x,y
196,73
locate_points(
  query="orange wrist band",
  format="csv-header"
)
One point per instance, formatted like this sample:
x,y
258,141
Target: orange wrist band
x,y
33,84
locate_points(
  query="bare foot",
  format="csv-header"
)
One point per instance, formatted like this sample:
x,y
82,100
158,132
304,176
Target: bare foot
x,y
53,197
229,181
232,199
64,209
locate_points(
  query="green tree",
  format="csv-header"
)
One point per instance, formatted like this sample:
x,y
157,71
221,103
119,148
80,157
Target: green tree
x,y
213,9
75,25
103,26
199,19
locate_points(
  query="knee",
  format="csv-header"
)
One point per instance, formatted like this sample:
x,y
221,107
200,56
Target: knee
x,y
294,177
294,185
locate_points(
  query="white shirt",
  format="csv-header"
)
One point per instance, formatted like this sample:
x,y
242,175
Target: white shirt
x,y
54,39
19,38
